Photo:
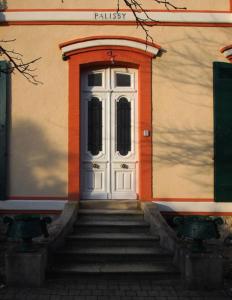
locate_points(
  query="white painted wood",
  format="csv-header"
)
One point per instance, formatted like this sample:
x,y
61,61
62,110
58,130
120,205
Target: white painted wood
x,y
103,176
94,183
227,52
197,207
207,207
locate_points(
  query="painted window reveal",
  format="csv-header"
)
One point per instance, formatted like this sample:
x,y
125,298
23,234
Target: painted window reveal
x,y
94,126
123,126
3,122
123,80
95,79
223,131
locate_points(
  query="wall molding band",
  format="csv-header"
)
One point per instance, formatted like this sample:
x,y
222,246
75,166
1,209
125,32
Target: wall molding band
x,y
41,198
32,205
184,208
187,213
183,199
194,208
21,211
103,16
60,198
113,10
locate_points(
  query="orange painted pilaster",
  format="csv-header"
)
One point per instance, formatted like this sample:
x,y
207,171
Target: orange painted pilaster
x,y
74,132
145,123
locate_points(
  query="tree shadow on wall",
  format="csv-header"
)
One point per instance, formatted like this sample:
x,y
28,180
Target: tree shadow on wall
x,y
189,147
35,162
183,141
190,64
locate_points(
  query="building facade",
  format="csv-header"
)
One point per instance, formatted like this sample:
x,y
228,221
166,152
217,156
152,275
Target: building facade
x,y
116,115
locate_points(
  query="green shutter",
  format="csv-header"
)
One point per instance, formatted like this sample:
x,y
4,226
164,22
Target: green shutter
x,y
223,131
3,98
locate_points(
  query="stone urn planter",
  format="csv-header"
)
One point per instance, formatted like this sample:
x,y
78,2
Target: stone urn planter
x,y
26,263
25,228
201,268
197,229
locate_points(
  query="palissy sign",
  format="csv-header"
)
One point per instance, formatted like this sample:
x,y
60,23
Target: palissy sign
x,y
112,16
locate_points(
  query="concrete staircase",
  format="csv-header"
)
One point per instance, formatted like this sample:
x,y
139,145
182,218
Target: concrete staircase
x,y
111,237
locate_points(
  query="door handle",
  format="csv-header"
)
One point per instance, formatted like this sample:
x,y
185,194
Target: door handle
x,y
124,166
95,166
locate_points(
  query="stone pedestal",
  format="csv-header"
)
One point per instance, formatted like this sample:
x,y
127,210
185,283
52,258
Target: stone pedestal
x,y
25,269
179,257
203,271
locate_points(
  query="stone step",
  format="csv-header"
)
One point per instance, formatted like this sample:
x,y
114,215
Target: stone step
x,y
109,204
123,223
113,254
110,214
83,226
114,250
103,258
155,268
112,239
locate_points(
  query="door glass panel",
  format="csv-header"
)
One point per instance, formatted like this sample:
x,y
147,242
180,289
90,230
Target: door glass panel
x,y
94,126
123,126
123,79
95,79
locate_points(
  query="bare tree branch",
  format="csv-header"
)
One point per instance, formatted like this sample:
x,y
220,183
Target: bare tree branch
x,y
137,8
168,4
143,22
141,15
3,4
18,64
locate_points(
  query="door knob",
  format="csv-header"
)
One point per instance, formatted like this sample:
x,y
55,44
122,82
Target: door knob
x,y
95,166
124,166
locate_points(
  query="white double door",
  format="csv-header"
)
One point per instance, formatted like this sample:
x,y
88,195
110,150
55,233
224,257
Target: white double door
x,y
109,133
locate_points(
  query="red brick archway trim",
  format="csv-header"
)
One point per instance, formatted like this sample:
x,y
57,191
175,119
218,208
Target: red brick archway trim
x,y
102,56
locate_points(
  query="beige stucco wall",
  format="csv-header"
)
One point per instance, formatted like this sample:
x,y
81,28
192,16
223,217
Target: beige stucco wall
x,y
96,4
39,124
182,109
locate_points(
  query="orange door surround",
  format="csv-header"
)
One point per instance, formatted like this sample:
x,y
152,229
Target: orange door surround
x,y
104,56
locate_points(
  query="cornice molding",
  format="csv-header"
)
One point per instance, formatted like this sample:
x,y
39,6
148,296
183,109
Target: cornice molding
x,y
99,41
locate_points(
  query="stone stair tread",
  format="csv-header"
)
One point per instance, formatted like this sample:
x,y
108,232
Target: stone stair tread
x,y
129,236
115,268
111,223
115,250
110,211
108,201
109,204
